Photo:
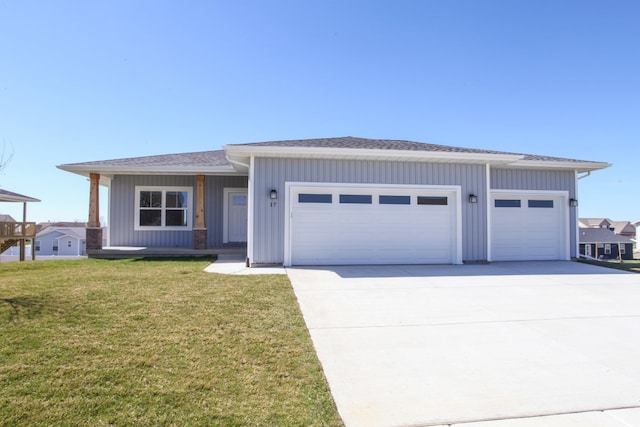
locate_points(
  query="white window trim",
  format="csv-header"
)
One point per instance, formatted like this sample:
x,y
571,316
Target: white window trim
x,y
164,190
607,248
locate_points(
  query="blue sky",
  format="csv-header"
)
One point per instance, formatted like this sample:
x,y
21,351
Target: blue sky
x,y
83,81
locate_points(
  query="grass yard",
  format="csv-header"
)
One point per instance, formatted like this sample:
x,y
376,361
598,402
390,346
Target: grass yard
x,y
632,266
154,343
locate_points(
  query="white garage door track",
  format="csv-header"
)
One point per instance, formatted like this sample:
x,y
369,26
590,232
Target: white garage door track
x,y
441,345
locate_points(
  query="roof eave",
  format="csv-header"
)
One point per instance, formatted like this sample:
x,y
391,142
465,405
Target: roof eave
x,y
25,199
110,172
243,153
559,164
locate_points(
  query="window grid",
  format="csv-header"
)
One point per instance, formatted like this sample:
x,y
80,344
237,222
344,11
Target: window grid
x,y
163,208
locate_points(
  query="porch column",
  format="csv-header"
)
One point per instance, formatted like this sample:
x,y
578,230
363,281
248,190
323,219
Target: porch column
x,y
94,230
200,229
23,241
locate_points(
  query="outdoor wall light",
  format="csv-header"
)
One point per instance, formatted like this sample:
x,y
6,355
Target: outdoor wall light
x,y
573,203
273,194
473,198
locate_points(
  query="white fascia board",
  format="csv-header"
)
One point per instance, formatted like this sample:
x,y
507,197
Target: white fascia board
x,y
18,199
550,164
237,152
85,170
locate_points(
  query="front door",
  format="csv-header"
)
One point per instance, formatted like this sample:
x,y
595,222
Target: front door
x,y
236,212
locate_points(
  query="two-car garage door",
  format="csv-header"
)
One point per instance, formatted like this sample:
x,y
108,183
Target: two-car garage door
x,y
373,225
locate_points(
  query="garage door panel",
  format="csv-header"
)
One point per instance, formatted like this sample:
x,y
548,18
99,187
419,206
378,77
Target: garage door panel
x,y
372,233
536,230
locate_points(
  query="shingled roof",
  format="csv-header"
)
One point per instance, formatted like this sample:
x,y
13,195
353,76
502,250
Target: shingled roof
x,y
221,161
200,158
8,196
393,144
601,235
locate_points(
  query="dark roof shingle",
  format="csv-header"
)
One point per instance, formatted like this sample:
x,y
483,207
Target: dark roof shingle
x,y
201,158
601,235
395,144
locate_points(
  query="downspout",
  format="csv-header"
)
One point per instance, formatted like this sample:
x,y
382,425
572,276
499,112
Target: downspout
x,y
250,203
488,211
586,174
235,162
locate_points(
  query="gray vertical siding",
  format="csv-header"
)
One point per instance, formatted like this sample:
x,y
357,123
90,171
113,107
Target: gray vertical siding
x,y
214,204
530,179
122,210
546,180
268,243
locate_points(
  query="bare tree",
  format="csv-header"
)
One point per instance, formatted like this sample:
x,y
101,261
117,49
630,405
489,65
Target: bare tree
x,y
5,157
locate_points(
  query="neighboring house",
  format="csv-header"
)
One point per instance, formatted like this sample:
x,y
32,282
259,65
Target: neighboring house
x,y
621,228
624,228
594,223
342,201
60,224
6,218
603,243
61,241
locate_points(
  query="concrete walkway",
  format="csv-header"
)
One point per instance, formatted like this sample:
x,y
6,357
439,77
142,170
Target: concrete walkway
x,y
504,344
236,264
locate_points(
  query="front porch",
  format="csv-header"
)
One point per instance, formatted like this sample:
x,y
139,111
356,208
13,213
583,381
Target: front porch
x,y
120,252
17,232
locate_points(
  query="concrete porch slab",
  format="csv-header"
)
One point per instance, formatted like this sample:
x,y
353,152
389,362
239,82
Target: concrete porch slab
x,y
236,264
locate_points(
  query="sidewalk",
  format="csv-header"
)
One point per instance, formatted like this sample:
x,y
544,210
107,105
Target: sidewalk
x,y
236,264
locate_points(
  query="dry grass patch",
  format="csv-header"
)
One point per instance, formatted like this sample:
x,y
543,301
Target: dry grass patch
x,y
96,342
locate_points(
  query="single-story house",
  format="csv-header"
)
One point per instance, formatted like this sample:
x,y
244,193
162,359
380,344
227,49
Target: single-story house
x,y
603,243
61,241
343,201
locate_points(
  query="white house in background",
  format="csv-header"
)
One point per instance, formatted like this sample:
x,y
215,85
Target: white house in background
x,y
61,241
342,201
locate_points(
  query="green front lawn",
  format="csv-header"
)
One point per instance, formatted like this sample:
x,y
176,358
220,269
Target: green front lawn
x,y
154,343
628,265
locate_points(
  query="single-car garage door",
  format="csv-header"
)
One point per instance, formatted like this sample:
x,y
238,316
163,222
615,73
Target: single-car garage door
x,y
529,226
372,225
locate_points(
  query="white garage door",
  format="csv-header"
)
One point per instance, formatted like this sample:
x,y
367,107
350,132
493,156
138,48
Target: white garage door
x,y
366,225
529,227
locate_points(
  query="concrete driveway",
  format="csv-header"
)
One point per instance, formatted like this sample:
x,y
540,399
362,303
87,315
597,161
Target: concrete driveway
x,y
502,344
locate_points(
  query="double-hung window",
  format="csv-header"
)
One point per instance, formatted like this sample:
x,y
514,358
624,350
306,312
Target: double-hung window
x,y
163,208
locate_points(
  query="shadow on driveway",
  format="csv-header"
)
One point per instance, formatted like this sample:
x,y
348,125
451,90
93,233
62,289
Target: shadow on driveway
x,y
511,268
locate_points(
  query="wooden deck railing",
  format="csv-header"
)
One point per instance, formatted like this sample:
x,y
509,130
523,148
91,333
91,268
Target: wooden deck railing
x,y
17,230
